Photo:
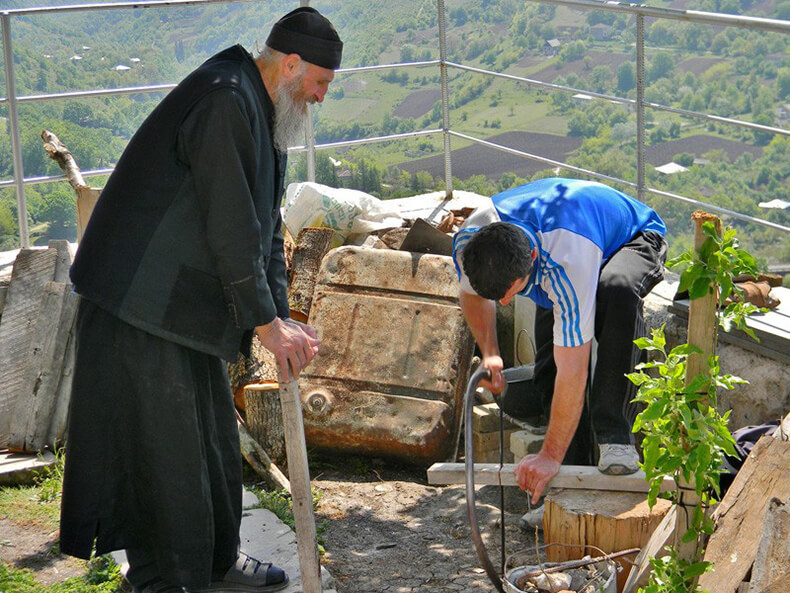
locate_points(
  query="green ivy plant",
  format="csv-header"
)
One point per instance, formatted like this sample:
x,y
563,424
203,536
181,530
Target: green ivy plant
x,y
685,437
711,270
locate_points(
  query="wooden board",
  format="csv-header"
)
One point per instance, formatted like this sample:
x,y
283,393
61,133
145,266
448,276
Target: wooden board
x,y
740,515
21,468
773,328
37,399
570,476
662,536
771,570
32,269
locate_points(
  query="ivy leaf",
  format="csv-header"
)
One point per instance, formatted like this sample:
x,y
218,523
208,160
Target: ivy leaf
x,y
699,288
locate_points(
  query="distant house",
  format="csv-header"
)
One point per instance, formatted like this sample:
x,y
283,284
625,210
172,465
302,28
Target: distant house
x,y
775,204
601,32
783,112
121,68
551,47
671,169
344,177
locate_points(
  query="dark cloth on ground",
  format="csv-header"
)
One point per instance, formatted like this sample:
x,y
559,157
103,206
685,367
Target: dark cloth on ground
x,y
153,458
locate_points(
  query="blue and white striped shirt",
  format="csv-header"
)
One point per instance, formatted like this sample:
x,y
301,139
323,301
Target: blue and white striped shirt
x,y
576,226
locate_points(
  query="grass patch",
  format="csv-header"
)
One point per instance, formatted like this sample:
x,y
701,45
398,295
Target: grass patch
x,y
103,576
39,506
280,503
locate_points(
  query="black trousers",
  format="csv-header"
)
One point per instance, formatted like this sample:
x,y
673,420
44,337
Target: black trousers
x,y
153,463
625,279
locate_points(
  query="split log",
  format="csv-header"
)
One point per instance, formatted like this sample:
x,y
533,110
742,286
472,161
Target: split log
x,y
264,417
254,454
661,537
33,414
33,268
771,570
740,515
312,244
590,521
260,367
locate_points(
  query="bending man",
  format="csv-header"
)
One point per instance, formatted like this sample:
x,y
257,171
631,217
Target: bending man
x,y
586,254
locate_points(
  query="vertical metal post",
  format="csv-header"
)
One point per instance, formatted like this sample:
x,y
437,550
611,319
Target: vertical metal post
x,y
16,144
448,168
640,106
309,134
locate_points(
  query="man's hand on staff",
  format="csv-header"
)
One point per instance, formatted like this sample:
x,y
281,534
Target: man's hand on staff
x,y
294,344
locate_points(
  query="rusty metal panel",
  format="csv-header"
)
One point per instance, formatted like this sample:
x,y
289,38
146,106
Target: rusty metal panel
x,y
394,359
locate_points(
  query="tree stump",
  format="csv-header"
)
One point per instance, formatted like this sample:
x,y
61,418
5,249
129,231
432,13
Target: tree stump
x,y
265,419
610,521
312,244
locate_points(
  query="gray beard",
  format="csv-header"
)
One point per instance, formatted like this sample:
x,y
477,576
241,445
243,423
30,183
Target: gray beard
x,y
289,116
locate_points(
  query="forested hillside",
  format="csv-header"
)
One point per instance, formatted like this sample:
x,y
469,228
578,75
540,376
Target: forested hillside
x,y
731,73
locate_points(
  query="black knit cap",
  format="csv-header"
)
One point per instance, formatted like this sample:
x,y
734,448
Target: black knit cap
x,y
307,32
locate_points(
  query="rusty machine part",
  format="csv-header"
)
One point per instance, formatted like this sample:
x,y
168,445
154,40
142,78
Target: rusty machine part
x,y
395,356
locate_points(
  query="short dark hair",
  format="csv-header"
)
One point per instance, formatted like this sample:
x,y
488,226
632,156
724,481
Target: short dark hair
x,y
496,256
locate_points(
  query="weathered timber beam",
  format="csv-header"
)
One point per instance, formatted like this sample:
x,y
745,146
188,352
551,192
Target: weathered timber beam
x,y
570,476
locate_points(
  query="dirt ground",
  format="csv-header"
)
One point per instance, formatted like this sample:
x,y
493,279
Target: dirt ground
x,y
387,531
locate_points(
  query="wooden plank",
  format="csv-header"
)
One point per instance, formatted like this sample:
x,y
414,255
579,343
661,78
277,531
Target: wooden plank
x,y
60,412
740,515
299,478
662,536
771,570
66,252
36,401
32,269
569,476
21,468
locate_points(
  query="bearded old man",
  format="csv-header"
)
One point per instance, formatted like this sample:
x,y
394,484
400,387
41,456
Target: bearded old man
x,y
181,264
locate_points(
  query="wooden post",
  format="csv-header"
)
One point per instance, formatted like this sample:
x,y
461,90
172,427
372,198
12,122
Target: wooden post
x,y
301,495
312,244
264,416
702,311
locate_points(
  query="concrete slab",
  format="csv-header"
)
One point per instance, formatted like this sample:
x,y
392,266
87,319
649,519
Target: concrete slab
x,y
268,539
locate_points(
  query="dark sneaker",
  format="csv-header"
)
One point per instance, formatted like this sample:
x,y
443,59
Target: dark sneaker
x,y
617,460
249,575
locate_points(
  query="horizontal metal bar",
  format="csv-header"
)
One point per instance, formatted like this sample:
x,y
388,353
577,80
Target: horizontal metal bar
x,y
110,5
694,16
127,90
54,178
662,193
301,148
347,143
624,101
386,66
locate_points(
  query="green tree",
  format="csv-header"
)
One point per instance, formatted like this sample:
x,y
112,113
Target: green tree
x,y
59,209
626,77
783,83
660,66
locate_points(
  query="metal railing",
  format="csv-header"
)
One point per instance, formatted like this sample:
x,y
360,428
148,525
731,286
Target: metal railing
x,y
640,12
